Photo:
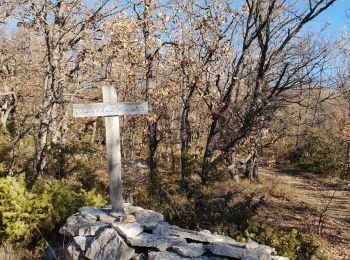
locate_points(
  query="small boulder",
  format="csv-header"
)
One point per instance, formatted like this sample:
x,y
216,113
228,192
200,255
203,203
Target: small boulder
x,y
163,255
109,245
74,223
93,230
189,250
162,243
128,230
145,216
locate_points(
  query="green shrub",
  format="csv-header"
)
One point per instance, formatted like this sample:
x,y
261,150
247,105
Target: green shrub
x,y
24,212
21,210
320,152
294,245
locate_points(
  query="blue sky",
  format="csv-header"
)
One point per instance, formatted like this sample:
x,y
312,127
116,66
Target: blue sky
x,y
336,16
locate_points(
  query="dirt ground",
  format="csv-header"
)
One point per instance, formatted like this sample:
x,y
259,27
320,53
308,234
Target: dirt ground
x,y
298,200
294,200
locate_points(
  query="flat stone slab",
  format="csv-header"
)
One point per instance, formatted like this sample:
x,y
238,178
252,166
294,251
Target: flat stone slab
x,y
164,255
189,250
93,230
146,216
91,212
202,236
109,246
229,250
128,230
162,243
74,223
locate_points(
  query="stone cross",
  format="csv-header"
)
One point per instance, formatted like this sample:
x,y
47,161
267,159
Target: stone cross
x,y
111,110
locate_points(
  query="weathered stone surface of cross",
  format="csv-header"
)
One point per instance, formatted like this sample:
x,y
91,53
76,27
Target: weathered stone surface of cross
x,y
111,110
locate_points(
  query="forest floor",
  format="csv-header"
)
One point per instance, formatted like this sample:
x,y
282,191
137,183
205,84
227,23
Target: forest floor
x,y
299,198
292,199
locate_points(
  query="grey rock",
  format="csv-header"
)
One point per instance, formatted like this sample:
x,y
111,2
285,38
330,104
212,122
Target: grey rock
x,y
73,252
109,245
249,258
163,255
227,250
74,223
251,244
160,242
210,257
128,230
82,242
130,209
161,228
145,216
166,255
151,226
236,251
167,230
92,230
279,258
261,252
189,250
93,213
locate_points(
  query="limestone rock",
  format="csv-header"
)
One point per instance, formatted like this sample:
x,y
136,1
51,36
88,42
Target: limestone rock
x,y
166,255
279,258
109,245
93,230
251,244
249,258
145,216
261,252
168,230
122,217
107,218
155,241
236,251
73,252
227,250
128,230
163,255
130,209
210,257
89,212
82,242
74,223
189,250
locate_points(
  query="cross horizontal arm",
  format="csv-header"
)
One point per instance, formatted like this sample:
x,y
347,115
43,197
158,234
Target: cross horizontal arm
x,y
110,109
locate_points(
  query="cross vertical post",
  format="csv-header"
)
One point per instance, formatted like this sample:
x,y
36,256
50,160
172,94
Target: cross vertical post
x,y
113,152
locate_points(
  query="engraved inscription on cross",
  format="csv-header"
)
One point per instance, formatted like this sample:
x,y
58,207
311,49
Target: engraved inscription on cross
x,y
111,110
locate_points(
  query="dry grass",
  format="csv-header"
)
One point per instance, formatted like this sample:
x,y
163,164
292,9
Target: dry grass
x,y
7,252
283,191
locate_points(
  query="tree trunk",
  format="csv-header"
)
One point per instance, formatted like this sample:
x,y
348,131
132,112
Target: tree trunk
x,y
209,151
185,135
153,144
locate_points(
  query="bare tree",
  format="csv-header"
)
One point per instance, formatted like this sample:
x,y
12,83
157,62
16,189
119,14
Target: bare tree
x,y
272,60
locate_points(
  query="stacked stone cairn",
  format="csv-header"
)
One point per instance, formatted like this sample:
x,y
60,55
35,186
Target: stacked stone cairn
x,y
99,234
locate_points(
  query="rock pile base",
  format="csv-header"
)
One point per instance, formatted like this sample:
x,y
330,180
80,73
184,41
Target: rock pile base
x,y
140,234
